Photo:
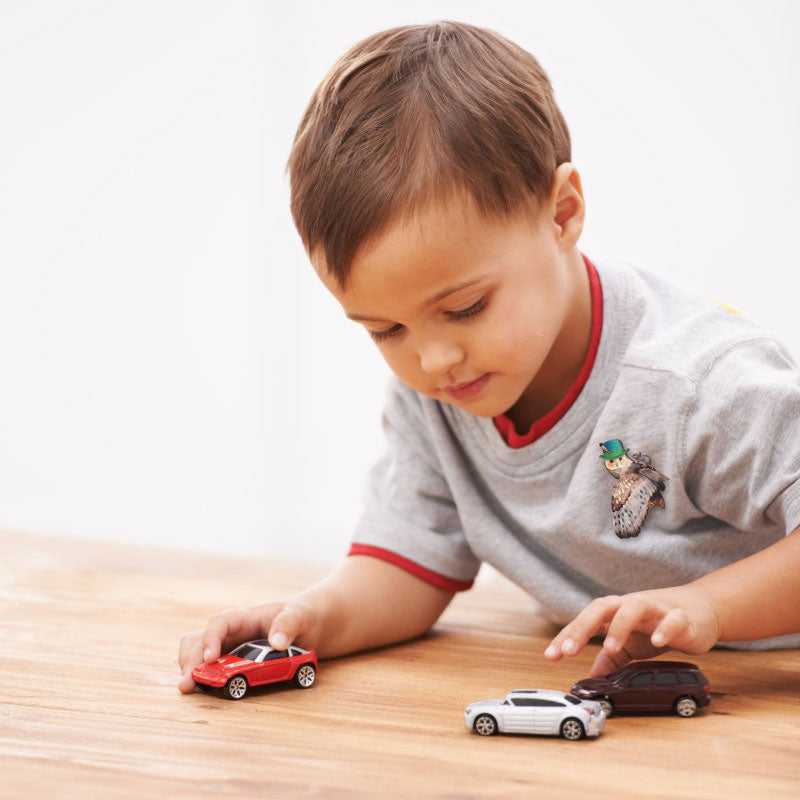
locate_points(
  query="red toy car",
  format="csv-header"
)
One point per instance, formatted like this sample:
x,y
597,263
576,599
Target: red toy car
x,y
256,663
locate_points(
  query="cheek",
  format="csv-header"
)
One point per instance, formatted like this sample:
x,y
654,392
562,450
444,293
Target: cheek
x,y
523,326
515,340
401,360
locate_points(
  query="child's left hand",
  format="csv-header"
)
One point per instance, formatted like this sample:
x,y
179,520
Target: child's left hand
x,y
640,625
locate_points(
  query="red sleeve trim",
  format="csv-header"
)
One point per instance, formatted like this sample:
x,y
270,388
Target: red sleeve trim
x,y
428,575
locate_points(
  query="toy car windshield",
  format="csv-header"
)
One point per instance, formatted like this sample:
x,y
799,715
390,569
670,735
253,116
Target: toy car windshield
x,y
247,651
617,677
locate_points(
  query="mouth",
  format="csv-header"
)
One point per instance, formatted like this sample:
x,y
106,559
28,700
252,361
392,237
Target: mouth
x,y
462,391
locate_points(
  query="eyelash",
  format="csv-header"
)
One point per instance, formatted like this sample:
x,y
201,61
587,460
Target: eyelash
x,y
475,308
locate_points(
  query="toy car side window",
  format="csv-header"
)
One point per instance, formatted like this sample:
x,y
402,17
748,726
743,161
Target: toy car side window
x,y
273,654
524,701
293,652
666,678
688,677
642,680
548,703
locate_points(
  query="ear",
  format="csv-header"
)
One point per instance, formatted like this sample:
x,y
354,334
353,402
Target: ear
x,y
568,208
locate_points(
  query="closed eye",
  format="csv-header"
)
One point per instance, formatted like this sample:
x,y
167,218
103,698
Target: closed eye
x,y
381,336
471,311
463,313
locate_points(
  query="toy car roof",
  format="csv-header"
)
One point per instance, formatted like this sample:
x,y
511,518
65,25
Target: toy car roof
x,y
265,643
541,692
644,665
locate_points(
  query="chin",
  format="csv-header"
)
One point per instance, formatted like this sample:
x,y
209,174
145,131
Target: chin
x,y
479,407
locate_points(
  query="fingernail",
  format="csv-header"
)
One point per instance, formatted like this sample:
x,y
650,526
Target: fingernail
x,y
610,643
658,638
551,651
568,646
279,640
206,654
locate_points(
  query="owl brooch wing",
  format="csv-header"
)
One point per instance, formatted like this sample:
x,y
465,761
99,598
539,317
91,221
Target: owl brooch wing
x,y
631,496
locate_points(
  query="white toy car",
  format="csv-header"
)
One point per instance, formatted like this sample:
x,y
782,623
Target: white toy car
x,y
544,711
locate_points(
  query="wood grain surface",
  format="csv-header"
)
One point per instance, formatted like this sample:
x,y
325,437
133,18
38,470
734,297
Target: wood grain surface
x,y
89,708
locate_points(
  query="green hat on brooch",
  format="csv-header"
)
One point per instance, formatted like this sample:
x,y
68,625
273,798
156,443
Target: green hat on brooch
x,y
612,449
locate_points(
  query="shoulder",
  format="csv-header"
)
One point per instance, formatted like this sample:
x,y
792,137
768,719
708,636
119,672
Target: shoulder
x,y
675,330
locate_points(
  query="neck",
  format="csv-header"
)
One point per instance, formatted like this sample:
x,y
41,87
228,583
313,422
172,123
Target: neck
x,y
566,357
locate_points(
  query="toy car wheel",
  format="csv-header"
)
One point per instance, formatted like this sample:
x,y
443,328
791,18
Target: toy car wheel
x,y
607,705
572,729
685,707
485,725
235,688
305,676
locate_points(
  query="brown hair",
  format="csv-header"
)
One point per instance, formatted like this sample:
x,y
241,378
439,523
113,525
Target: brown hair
x,y
411,116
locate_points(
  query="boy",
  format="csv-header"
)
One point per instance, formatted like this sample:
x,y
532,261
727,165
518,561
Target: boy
x,y
623,450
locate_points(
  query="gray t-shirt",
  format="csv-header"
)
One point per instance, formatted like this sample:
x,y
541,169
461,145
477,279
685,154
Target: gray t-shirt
x,y
711,398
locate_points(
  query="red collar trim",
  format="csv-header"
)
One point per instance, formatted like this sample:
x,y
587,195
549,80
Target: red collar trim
x,y
543,424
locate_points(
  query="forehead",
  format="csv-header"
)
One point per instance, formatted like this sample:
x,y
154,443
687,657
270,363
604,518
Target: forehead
x,y
429,251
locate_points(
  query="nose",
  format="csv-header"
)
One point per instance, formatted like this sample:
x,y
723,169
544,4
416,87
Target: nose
x,y
439,356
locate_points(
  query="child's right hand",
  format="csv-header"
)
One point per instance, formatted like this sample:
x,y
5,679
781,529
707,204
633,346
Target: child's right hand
x,y
281,623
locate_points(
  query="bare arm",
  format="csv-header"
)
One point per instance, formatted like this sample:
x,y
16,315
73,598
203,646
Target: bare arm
x,y
365,602
758,596
754,598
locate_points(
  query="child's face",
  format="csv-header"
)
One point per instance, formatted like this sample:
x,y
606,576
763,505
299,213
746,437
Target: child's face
x,y
470,310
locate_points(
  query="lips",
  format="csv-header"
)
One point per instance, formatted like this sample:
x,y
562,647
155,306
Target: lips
x,y
462,391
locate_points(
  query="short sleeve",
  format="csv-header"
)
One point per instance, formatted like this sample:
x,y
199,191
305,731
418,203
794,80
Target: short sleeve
x,y
409,515
742,438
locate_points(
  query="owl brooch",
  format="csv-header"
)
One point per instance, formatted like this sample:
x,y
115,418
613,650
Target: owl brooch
x,y
638,487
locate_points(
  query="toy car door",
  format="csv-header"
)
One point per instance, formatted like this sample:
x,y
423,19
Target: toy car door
x,y
276,666
634,694
665,689
518,716
547,714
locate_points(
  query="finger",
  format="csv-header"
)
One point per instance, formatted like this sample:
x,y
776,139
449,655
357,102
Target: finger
x,y
225,631
185,648
638,613
189,657
636,648
292,621
605,663
591,621
186,683
216,632
230,628
675,623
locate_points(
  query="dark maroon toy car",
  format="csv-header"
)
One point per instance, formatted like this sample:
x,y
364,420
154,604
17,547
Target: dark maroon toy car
x,y
648,686
256,663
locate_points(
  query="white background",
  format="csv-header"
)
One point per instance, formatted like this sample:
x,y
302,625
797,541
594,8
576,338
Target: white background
x,y
172,372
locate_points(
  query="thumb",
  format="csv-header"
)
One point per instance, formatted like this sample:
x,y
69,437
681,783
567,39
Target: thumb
x,y
292,621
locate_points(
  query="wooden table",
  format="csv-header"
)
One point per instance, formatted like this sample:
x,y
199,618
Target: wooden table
x,y
89,708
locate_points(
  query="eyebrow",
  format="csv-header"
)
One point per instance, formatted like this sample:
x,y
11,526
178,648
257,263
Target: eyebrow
x,y
435,299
